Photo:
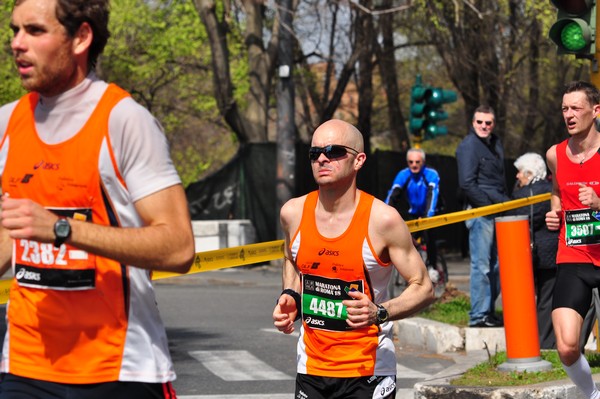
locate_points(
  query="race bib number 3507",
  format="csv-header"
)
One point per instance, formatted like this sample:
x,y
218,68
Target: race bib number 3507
x,y
322,301
582,227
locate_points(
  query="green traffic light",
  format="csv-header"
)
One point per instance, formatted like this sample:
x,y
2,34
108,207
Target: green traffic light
x,y
572,37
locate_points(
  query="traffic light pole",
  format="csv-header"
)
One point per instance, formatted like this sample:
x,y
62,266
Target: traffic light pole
x,y
595,80
594,73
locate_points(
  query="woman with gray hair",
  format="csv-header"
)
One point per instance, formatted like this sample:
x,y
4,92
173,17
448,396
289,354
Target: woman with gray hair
x,y
531,168
531,180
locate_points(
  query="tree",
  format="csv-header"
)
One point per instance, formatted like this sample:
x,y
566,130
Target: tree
x,y
386,54
157,53
247,116
498,53
10,89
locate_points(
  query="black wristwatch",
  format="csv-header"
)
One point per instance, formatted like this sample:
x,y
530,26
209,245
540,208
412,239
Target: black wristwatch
x,y
382,314
62,231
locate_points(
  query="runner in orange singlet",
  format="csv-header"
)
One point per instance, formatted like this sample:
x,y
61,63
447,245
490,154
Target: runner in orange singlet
x,y
91,205
575,163
341,246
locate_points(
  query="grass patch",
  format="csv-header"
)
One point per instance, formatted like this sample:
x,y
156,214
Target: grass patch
x,y
486,373
453,308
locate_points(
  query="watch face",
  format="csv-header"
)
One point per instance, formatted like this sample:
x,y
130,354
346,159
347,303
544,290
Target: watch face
x,y
62,228
382,314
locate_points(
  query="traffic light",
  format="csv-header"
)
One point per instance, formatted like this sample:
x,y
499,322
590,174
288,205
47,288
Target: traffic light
x,y
426,110
435,98
417,107
574,31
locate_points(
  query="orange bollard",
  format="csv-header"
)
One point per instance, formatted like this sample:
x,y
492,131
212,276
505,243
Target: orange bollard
x,y
518,295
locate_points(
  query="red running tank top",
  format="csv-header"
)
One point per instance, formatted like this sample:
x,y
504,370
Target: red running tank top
x,y
569,175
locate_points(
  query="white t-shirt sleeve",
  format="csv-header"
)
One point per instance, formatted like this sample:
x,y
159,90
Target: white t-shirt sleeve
x,y
141,150
5,113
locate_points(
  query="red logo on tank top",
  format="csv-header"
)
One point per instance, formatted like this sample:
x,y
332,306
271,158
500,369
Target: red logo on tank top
x,y
328,252
46,166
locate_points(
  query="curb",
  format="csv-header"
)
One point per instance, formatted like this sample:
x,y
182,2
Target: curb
x,y
437,337
454,341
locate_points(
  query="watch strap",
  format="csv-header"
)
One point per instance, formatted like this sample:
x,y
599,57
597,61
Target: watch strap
x,y
297,299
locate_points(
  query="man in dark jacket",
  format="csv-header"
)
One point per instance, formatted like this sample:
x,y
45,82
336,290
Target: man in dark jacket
x,y
480,159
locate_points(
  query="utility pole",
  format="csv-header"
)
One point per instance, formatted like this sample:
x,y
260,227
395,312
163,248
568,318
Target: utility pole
x,y
286,126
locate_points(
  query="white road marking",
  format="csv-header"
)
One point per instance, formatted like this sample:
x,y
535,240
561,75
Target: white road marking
x,y
402,393
238,366
403,372
405,393
274,330
249,396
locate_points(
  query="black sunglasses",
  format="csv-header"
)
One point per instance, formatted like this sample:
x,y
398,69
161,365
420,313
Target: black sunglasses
x,y
488,123
331,151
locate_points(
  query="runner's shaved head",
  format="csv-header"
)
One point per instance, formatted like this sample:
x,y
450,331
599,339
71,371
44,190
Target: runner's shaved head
x,y
336,131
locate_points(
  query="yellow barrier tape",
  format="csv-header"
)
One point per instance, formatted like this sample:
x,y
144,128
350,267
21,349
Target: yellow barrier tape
x,y
271,250
455,217
231,257
4,290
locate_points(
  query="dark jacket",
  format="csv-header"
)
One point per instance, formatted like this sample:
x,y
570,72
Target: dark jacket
x,y
545,242
481,170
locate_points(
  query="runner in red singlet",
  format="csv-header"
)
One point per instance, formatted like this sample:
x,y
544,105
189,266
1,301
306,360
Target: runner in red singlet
x,y
575,202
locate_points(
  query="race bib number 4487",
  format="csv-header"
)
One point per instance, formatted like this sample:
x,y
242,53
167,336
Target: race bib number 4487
x,y
322,301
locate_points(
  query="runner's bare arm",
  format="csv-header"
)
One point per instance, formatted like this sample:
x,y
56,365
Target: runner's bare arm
x,y
5,251
392,232
165,242
553,217
392,241
286,308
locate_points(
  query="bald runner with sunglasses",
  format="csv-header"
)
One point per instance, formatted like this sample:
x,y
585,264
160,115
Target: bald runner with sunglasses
x,y
340,247
480,158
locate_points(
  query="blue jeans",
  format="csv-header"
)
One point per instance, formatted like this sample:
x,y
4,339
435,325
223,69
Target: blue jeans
x,y
485,276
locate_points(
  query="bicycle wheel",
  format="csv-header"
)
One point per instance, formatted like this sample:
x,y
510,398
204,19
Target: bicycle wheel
x,y
442,267
438,276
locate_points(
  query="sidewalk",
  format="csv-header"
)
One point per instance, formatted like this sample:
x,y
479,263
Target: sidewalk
x,y
467,347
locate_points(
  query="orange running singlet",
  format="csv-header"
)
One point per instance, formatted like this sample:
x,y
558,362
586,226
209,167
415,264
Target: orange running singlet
x,y
330,267
74,317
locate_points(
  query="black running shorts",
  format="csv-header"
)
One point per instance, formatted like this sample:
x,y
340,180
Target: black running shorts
x,y
315,387
573,286
15,387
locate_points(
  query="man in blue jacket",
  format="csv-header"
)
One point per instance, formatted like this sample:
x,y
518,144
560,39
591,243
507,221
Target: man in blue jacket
x,y
480,159
421,185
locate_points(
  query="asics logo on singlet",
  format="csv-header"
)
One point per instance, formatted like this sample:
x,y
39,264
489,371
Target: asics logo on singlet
x,y
329,252
23,274
45,166
314,322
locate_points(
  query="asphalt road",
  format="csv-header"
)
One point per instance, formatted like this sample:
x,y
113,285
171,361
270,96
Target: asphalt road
x,y
224,345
